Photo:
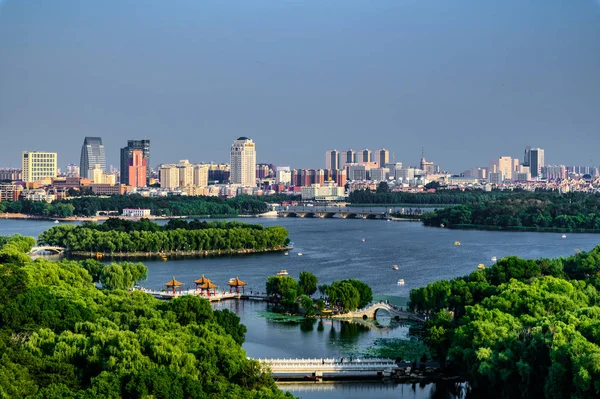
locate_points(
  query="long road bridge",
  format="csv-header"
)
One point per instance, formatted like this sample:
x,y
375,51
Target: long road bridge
x,y
329,367
343,214
371,312
47,248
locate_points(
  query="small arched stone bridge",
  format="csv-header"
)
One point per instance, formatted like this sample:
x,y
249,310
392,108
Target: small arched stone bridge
x,y
51,249
371,312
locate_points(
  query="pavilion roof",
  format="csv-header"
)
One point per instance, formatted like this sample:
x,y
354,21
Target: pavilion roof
x,y
236,282
173,283
208,286
202,280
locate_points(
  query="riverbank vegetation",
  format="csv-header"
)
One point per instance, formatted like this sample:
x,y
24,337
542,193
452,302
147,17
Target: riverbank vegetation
x,y
522,328
342,296
547,212
125,236
61,337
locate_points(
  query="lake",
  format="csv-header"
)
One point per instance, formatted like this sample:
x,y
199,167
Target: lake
x,y
333,249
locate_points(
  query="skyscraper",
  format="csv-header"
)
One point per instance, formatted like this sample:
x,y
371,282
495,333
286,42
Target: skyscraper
x,y
243,162
382,157
92,153
137,169
38,165
126,154
332,159
527,156
537,162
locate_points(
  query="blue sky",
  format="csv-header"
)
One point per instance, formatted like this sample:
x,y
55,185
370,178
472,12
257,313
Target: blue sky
x,y
469,80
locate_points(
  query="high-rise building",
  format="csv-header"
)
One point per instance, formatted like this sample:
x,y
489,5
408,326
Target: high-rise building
x,y
136,169
340,177
38,165
332,159
243,162
200,175
346,157
92,153
537,162
427,166
527,156
505,167
382,157
284,175
72,170
126,154
364,156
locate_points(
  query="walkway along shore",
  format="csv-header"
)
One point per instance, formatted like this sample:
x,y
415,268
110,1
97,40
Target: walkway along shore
x,y
176,253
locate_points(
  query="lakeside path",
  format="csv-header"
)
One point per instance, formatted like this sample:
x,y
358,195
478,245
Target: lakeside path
x,y
22,216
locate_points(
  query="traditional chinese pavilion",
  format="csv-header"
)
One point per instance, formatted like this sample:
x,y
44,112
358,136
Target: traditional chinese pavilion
x,y
201,281
207,287
173,285
236,283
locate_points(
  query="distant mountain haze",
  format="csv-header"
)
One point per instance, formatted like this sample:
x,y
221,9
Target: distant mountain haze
x,y
468,80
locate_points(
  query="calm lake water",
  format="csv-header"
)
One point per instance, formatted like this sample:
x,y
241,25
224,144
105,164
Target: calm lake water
x,y
333,249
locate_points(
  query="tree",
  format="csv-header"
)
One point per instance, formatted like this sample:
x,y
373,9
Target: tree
x,y
383,187
308,283
308,305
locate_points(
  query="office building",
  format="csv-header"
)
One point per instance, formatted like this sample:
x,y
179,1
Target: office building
x,y
92,153
183,174
136,169
243,162
379,174
283,175
72,170
405,174
126,155
332,159
382,157
200,175
505,167
527,156
38,165
357,172
10,174
427,166
536,162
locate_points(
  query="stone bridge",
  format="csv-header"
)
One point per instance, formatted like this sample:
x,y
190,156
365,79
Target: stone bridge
x,y
372,310
330,366
334,214
53,250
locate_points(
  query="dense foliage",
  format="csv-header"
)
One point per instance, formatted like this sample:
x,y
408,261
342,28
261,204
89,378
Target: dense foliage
x,y
60,337
116,235
343,295
39,208
169,206
522,328
442,197
533,211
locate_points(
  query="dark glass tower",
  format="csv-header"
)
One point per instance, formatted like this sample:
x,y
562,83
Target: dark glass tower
x,y
126,155
92,153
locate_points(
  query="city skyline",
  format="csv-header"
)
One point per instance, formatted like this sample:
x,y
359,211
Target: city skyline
x,y
465,81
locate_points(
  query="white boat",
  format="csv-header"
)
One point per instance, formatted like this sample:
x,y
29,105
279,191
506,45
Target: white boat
x,y
395,267
286,253
299,253
494,259
401,281
564,236
56,221
363,240
283,273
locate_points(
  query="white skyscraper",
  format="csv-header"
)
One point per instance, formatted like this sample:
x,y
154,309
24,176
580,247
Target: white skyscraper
x,y
243,162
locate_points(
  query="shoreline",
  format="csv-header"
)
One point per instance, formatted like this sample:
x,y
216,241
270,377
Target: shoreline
x,y
517,229
176,254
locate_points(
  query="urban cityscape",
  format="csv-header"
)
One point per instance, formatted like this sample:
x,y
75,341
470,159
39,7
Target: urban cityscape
x,y
41,179
283,199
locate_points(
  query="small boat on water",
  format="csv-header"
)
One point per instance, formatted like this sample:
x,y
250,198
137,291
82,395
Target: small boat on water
x,y
363,240
395,267
481,266
401,281
564,236
286,253
299,253
56,221
494,259
282,273
99,255
457,243
163,257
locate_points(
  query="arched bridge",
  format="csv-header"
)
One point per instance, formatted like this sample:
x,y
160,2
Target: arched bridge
x,y
342,214
371,311
51,249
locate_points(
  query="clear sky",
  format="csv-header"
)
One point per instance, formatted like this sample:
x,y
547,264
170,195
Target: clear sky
x,y
469,80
